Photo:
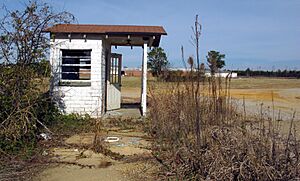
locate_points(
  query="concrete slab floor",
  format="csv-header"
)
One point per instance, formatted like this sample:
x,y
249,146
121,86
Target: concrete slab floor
x,y
125,112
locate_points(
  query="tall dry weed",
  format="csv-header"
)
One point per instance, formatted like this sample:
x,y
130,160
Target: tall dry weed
x,y
199,135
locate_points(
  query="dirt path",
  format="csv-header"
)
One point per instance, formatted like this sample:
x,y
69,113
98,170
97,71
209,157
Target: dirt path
x,y
84,164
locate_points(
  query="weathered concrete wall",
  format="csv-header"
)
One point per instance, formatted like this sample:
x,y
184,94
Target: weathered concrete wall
x,y
79,99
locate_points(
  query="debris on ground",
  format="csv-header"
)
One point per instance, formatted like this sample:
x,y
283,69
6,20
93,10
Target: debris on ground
x,y
111,139
45,136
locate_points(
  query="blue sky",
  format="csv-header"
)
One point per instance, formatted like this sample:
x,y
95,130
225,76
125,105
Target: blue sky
x,y
260,34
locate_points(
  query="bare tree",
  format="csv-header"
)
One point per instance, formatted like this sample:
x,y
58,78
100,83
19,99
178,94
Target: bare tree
x,y
22,38
196,39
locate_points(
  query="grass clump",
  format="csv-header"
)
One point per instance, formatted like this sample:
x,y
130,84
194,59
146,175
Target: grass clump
x,y
72,124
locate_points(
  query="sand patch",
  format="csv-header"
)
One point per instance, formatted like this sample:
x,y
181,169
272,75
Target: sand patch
x,y
84,164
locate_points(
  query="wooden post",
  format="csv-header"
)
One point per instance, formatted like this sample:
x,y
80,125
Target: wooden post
x,y
144,81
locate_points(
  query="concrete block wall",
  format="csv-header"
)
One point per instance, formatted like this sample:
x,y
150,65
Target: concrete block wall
x,y
78,99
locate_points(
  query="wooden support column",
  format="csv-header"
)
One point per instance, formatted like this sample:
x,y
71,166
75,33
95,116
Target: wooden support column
x,y
144,81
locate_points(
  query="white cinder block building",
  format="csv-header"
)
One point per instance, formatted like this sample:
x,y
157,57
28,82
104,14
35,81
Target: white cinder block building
x,y
86,75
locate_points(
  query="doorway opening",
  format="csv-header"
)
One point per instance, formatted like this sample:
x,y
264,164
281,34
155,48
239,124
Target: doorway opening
x,y
123,84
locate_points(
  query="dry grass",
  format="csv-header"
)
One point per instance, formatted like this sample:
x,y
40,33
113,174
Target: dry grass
x,y
199,135
286,92
131,82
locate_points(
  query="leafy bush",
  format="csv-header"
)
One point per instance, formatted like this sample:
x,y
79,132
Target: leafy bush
x,y
23,50
17,104
26,110
42,68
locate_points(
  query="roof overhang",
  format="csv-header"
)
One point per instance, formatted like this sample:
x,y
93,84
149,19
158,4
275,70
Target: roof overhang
x,y
116,34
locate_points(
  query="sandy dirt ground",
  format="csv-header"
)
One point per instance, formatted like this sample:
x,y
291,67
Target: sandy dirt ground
x,y
77,164
285,102
282,94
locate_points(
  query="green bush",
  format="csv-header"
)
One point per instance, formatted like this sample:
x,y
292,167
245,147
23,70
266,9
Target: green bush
x,y
24,147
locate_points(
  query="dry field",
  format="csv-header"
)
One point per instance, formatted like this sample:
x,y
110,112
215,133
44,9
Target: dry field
x,y
283,94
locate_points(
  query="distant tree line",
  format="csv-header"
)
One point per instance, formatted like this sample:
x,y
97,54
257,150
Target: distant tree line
x,y
267,73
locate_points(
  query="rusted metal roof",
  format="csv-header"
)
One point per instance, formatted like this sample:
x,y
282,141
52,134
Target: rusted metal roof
x,y
107,29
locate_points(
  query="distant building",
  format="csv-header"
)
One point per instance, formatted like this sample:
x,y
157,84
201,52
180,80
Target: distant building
x,y
134,72
222,74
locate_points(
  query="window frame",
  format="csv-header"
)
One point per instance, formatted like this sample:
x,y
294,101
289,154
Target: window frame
x,y
74,82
